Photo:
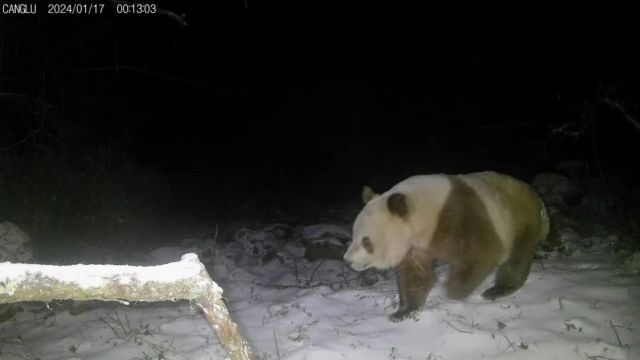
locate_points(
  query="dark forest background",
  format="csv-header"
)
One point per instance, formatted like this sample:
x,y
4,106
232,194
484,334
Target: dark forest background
x,y
276,109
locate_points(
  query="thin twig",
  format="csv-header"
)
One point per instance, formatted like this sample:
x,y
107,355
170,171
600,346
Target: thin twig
x,y
511,343
295,265
110,327
595,357
565,131
618,106
594,142
215,245
615,332
316,269
455,328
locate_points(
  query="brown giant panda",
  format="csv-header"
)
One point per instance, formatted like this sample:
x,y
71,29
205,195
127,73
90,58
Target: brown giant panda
x,y
474,222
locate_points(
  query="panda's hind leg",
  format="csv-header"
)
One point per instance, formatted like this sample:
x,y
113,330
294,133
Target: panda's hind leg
x,y
513,273
466,276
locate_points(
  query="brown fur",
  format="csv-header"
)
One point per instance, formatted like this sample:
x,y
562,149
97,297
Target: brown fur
x,y
472,251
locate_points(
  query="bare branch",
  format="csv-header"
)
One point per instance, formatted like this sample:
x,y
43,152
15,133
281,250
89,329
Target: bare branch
x,y
622,110
568,130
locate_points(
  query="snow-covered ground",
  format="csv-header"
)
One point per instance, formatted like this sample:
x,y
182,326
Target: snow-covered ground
x,y
582,306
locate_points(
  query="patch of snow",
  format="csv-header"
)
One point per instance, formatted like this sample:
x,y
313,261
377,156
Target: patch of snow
x,y
168,254
571,308
91,276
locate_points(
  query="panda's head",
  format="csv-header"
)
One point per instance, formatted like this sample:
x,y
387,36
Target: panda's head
x,y
381,232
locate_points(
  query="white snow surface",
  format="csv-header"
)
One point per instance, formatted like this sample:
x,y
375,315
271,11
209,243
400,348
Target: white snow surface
x,y
583,306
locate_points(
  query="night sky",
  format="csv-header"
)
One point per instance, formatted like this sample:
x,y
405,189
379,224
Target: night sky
x,y
307,101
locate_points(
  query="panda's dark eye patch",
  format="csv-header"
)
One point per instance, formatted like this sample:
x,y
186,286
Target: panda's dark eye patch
x,y
367,244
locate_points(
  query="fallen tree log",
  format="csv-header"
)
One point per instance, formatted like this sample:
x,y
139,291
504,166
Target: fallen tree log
x,y
186,279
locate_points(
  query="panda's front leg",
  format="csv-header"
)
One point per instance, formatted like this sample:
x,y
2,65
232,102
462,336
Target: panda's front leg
x,y
415,279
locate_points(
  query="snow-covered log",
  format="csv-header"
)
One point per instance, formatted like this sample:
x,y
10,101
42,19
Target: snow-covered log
x,y
186,279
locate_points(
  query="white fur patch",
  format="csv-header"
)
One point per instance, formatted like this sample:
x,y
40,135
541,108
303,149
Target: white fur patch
x,y
497,206
427,196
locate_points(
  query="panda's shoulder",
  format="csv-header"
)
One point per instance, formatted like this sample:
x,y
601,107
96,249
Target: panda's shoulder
x,y
423,184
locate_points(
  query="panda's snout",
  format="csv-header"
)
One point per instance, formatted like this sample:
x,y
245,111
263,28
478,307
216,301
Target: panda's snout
x,y
349,262
352,263
348,258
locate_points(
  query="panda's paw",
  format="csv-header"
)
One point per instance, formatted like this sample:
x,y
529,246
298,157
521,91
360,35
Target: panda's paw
x,y
398,316
497,291
401,315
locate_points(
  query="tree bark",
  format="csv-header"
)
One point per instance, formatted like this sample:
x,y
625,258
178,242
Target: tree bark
x,y
186,279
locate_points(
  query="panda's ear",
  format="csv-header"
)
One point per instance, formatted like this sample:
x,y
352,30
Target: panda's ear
x,y
368,195
398,205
